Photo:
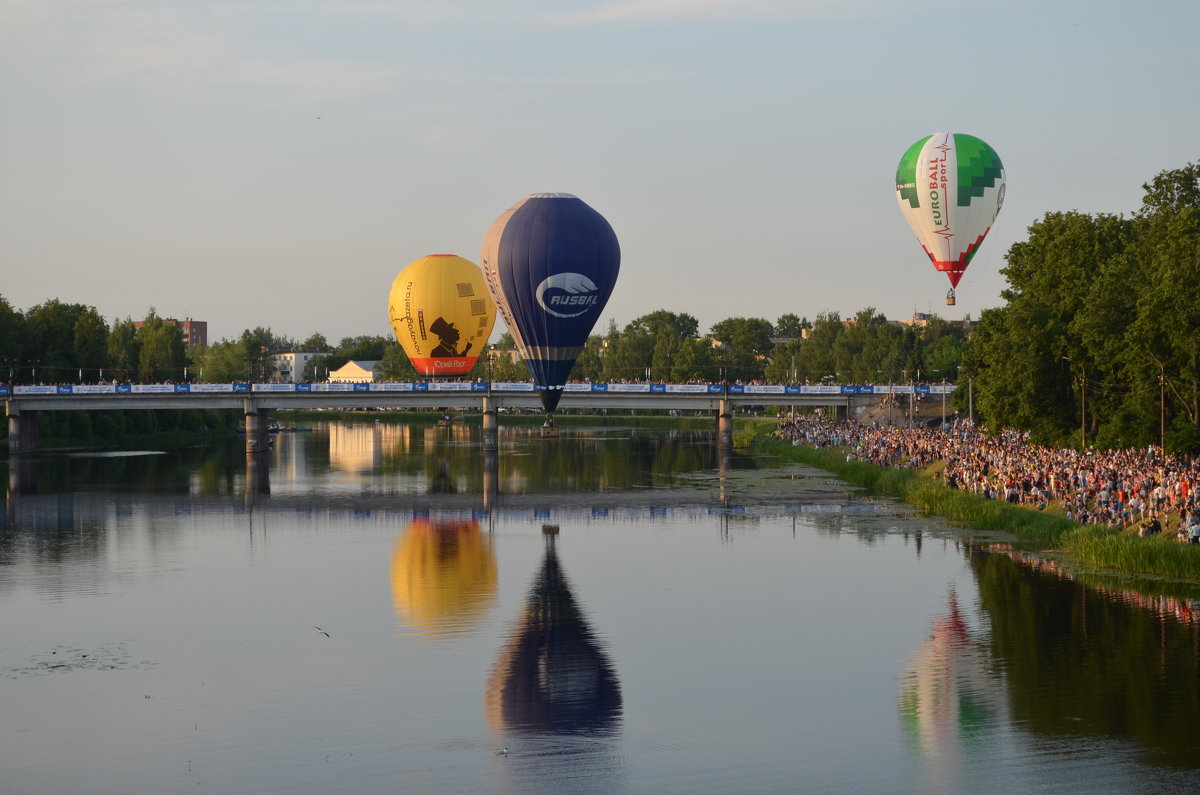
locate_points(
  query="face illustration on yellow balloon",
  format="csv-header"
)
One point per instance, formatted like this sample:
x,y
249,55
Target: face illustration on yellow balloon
x,y
448,338
450,290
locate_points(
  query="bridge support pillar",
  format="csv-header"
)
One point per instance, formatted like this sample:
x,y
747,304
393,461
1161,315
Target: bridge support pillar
x,y
490,426
491,472
725,425
257,421
22,431
258,477
842,413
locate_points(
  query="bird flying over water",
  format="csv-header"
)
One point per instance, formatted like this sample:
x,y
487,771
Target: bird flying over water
x,y
323,632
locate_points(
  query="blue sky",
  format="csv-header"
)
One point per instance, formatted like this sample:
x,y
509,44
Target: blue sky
x,y
278,163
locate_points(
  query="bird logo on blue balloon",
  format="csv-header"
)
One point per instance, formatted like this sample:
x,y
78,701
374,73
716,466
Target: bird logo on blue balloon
x,y
571,294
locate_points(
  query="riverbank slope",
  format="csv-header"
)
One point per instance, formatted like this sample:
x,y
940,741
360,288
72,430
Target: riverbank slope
x,y
1090,546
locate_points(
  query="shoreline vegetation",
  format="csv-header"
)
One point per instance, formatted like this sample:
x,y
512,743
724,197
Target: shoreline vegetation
x,y
1098,548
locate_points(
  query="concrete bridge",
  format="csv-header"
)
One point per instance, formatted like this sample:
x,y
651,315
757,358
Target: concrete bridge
x,y
256,401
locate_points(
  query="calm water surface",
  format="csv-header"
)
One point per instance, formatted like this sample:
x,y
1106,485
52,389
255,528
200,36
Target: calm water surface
x,y
380,608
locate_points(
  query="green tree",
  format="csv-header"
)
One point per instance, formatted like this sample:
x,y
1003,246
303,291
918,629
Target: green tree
x,y
745,343
161,351
361,348
394,365
1043,362
1163,367
50,340
257,346
91,343
589,365
815,357
694,362
12,340
224,362
791,327
124,350
316,368
315,342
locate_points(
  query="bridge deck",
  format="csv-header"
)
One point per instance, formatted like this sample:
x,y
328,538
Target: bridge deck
x,y
250,398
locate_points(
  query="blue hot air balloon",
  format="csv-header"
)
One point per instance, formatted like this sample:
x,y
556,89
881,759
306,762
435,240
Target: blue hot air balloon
x,y
550,262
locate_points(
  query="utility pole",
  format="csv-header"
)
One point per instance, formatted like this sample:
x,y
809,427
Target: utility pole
x,y
943,403
1083,410
1162,408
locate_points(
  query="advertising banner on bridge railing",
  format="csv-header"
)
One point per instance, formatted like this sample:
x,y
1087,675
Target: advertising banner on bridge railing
x,y
450,386
338,387
482,386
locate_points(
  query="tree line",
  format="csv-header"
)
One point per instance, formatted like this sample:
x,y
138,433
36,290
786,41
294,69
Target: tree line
x,y
1097,341
56,342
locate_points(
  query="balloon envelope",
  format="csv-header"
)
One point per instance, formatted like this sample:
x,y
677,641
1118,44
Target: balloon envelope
x,y
441,314
550,262
950,187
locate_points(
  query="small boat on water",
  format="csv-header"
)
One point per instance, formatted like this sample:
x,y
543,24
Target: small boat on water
x,y
275,427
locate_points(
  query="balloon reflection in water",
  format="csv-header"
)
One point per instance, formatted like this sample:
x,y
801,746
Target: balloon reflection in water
x,y
552,676
443,576
951,705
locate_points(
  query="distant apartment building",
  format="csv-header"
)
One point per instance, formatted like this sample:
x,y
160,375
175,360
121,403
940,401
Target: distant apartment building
x,y
195,332
289,367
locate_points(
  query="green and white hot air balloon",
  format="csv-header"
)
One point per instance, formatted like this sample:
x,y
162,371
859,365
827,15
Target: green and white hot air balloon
x,y
950,187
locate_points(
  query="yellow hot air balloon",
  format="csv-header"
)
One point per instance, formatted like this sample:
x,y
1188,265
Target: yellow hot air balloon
x,y
441,314
443,576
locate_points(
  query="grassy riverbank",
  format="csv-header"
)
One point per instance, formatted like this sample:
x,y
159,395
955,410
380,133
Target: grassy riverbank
x,y
1089,546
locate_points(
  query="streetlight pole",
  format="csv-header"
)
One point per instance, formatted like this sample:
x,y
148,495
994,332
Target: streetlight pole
x,y
1162,407
943,403
1083,408
1082,404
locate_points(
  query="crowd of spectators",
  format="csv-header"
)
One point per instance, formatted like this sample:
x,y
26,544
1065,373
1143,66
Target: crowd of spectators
x,y
1142,488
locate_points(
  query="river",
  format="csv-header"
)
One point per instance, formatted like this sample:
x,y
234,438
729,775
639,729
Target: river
x,y
380,608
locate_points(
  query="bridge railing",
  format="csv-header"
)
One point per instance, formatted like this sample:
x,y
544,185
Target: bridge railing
x,y
766,390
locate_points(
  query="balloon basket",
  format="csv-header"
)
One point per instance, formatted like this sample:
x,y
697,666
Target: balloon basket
x,y
950,299
548,429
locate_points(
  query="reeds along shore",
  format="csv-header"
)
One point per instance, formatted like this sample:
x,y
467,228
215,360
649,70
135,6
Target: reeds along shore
x,y
1092,546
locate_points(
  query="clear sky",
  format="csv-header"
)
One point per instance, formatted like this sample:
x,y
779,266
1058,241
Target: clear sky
x,y
277,163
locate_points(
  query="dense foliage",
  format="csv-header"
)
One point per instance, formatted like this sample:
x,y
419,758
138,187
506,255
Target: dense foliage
x,y
1097,342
